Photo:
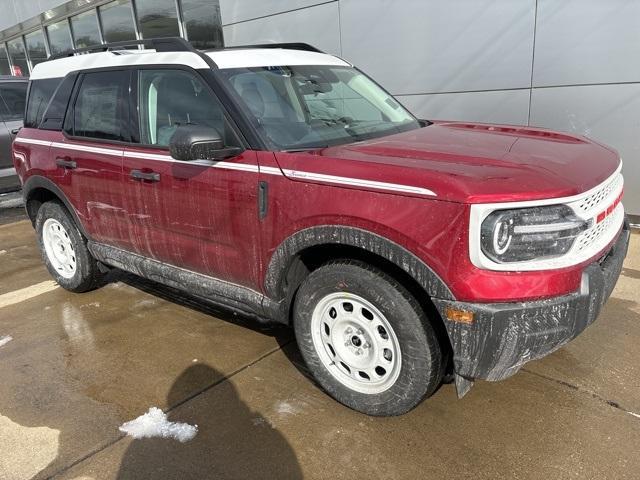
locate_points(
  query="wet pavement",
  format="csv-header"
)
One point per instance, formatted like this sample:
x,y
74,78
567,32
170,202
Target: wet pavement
x,y
79,365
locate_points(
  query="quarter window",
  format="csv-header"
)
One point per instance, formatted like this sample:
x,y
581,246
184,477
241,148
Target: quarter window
x,y
170,98
101,106
40,94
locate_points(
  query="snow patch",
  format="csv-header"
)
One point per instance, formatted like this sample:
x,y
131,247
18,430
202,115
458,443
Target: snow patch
x,y
4,340
154,423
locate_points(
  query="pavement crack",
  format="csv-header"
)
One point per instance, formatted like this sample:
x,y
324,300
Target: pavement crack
x,y
611,403
171,408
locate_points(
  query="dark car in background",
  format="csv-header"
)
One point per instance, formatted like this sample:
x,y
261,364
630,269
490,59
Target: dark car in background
x,y
13,92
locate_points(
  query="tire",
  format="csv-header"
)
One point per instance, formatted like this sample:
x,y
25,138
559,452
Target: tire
x,y
64,249
351,300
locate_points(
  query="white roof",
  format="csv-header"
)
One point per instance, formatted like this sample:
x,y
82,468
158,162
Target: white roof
x,y
250,57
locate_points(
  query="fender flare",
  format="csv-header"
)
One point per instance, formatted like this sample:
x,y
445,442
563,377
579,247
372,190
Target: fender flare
x,y
288,250
36,182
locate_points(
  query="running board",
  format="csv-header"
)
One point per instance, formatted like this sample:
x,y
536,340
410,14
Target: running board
x,y
234,297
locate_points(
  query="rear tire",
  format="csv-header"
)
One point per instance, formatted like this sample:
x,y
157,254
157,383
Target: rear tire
x,y
366,339
64,249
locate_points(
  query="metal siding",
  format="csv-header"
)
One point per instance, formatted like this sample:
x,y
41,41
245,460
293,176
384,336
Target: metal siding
x,y
510,106
587,41
234,11
608,113
428,46
317,25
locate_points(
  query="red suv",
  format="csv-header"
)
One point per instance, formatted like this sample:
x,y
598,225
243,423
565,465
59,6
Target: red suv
x,y
286,185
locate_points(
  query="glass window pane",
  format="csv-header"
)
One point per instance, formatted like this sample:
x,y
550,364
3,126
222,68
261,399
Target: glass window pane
x,y
18,57
59,37
14,95
202,19
101,105
170,98
4,62
158,18
85,29
35,47
39,96
117,21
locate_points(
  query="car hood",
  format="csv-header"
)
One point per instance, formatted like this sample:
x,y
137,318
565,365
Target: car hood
x,y
464,162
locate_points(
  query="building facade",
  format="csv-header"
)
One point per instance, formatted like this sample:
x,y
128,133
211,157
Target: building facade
x,y
563,64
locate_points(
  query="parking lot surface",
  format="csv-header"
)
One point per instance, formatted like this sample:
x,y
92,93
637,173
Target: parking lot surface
x,y
75,367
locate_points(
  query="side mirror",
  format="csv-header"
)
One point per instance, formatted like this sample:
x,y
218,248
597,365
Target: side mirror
x,y
197,142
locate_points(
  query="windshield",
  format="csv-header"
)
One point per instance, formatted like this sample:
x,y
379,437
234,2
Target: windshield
x,y
314,106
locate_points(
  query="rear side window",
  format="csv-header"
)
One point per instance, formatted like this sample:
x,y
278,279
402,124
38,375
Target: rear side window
x,y
101,106
14,95
40,93
53,118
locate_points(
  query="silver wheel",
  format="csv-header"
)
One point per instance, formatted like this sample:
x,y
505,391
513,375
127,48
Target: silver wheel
x,y
58,247
356,343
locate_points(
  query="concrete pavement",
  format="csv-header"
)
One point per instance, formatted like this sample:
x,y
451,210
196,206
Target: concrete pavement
x,y
78,366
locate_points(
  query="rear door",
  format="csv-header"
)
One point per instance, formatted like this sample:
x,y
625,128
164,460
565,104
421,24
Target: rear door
x,y
12,101
197,215
89,153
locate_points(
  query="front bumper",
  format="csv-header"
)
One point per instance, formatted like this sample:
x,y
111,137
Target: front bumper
x,y
505,336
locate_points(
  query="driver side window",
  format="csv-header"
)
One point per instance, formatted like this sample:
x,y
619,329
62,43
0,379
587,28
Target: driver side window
x,y
170,98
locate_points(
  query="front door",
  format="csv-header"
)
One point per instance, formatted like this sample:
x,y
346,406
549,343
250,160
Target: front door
x,y
196,215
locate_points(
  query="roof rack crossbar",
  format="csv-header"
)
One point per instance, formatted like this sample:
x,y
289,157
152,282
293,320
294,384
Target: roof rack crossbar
x,y
290,46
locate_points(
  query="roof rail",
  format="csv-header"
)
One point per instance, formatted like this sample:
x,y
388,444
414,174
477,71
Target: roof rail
x,y
168,44
290,46
171,44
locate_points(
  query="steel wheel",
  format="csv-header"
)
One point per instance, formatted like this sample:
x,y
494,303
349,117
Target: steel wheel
x,y
356,343
59,248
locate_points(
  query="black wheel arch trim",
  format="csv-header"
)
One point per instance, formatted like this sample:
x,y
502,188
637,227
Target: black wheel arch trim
x,y
285,254
36,182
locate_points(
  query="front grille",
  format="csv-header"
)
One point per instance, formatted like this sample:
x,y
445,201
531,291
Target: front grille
x,y
598,198
609,225
600,233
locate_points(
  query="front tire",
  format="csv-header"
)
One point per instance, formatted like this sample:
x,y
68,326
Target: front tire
x,y
366,339
64,249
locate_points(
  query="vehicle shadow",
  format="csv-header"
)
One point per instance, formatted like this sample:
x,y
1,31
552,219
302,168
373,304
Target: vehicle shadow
x,y
282,333
232,440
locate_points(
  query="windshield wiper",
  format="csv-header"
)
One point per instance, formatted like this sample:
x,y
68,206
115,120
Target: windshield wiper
x,y
304,149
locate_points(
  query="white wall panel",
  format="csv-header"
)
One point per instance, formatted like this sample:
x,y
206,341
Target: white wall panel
x,y
587,41
427,46
318,26
8,18
511,107
608,113
233,11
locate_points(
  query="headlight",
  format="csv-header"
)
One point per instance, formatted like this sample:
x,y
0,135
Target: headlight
x,y
530,233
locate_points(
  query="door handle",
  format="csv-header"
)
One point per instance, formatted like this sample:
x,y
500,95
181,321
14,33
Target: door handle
x,y
147,176
66,163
